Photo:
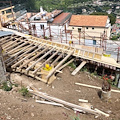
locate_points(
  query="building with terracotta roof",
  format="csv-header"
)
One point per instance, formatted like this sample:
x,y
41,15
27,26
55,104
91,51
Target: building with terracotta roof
x,y
46,23
90,27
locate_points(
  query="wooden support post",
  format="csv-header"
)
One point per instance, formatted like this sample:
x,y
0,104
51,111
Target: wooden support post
x,y
39,59
103,71
50,33
54,69
118,55
66,34
66,64
35,71
117,76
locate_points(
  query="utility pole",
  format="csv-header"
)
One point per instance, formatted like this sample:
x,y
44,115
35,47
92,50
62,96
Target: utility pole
x,y
2,68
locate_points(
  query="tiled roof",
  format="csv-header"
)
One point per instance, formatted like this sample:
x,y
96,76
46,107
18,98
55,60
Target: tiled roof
x,y
61,18
88,20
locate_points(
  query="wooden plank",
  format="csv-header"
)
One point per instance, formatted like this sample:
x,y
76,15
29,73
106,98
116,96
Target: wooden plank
x,y
29,55
61,62
101,112
6,41
21,45
49,103
14,44
9,44
40,59
66,64
71,105
82,100
22,55
53,63
33,58
78,68
34,72
15,55
6,37
91,86
7,8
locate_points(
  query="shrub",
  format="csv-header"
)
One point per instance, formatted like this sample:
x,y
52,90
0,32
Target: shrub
x,y
76,118
7,86
72,65
24,91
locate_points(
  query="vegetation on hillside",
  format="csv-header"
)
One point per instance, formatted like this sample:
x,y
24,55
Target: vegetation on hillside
x,y
111,16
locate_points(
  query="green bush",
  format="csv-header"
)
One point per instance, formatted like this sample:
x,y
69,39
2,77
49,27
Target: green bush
x,y
24,91
72,65
76,118
7,86
114,38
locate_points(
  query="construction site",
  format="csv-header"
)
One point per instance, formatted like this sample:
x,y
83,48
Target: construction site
x,y
70,75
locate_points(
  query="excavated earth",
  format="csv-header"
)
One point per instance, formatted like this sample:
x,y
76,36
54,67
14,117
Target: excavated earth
x,y
13,106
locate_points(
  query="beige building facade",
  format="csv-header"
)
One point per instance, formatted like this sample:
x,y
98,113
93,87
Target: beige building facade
x,y
90,27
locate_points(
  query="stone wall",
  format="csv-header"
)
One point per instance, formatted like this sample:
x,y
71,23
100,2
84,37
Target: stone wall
x,y
2,68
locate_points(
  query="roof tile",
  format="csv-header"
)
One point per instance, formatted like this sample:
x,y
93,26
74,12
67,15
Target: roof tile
x,y
88,20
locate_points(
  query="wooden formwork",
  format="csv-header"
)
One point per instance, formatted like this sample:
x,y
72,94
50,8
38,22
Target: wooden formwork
x,y
28,56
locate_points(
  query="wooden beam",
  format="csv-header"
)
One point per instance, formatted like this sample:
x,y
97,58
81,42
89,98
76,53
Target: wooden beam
x,y
7,46
21,51
91,86
14,44
26,63
34,72
7,8
66,64
22,55
71,105
57,58
21,45
39,59
78,68
6,37
49,103
29,55
54,69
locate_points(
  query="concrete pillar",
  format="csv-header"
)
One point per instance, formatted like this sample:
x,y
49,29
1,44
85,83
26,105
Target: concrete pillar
x,y
117,76
2,68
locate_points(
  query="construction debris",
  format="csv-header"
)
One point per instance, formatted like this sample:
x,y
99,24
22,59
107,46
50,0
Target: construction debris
x,y
81,100
62,102
95,87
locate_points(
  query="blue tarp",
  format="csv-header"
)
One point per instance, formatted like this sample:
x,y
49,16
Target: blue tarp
x,y
5,33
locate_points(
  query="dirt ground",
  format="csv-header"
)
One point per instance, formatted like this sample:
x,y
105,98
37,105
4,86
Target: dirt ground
x,y
14,106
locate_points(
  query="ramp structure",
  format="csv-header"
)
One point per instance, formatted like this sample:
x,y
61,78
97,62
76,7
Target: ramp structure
x,y
29,55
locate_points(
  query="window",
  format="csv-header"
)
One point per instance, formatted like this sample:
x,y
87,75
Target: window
x,y
86,27
42,26
79,29
93,28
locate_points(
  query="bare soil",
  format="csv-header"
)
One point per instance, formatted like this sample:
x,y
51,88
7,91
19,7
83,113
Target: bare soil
x,y
14,106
